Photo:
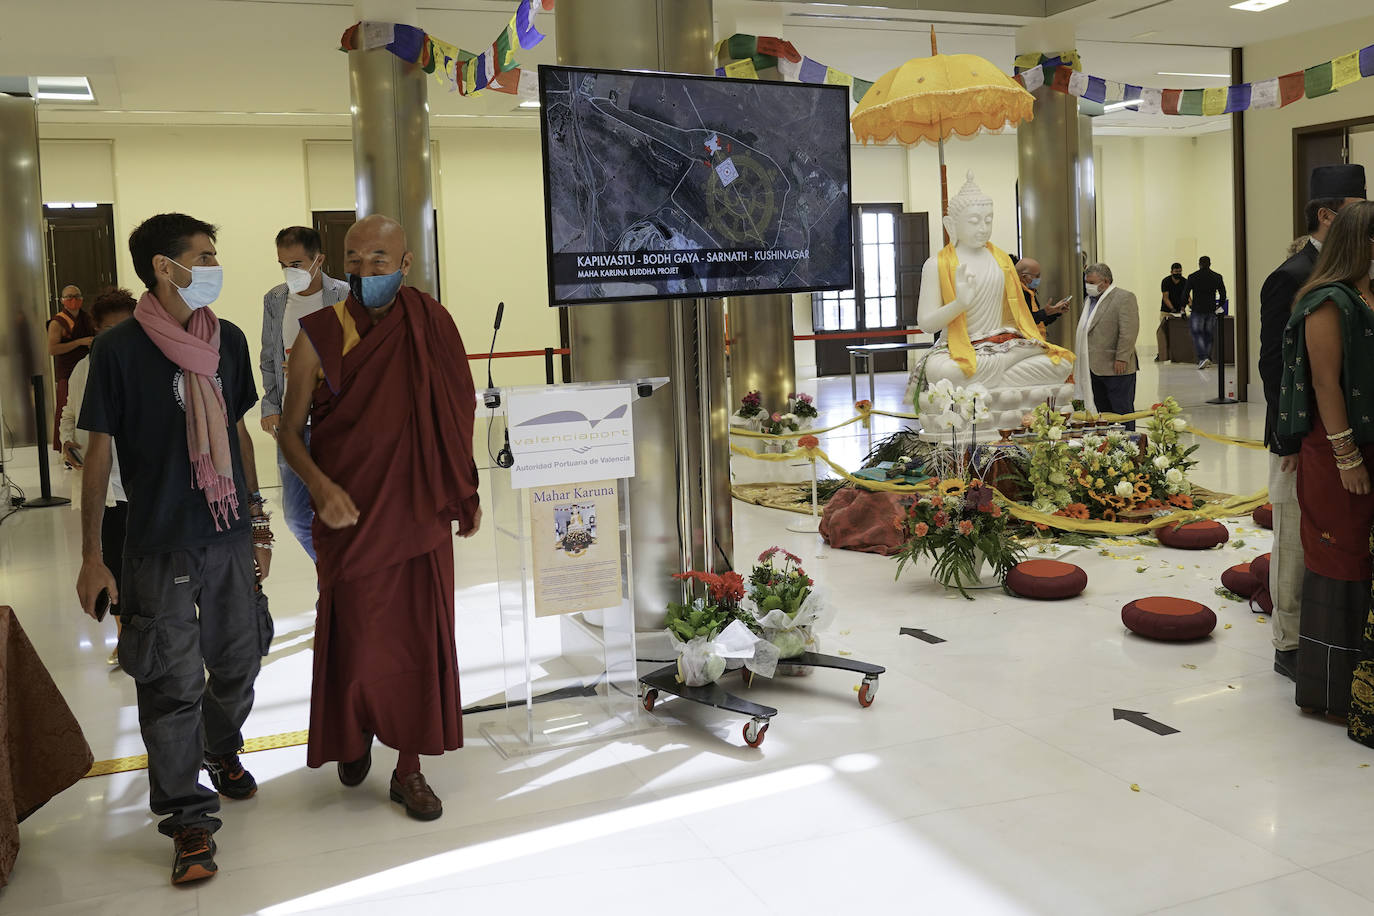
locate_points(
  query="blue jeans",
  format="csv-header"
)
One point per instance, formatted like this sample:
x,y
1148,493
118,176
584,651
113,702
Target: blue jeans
x,y
295,498
1203,326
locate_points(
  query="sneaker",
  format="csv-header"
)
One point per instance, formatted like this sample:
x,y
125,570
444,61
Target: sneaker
x,y
229,777
195,855
113,660
1206,364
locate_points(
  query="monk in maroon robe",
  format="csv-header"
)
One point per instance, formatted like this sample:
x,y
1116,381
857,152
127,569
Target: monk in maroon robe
x,y
384,380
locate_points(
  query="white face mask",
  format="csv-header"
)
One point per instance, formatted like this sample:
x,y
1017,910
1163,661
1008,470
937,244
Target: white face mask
x,y
1091,290
205,286
297,279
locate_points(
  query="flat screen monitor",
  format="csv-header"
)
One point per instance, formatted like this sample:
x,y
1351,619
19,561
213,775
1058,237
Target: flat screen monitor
x,y
666,186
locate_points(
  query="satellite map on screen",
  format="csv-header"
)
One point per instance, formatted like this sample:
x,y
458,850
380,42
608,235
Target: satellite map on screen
x,y
663,186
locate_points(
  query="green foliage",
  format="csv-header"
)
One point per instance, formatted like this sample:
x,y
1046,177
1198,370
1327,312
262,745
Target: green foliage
x,y
698,619
955,527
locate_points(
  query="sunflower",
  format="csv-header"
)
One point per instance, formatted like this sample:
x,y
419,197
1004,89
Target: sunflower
x,y
1116,502
1109,515
952,487
1143,491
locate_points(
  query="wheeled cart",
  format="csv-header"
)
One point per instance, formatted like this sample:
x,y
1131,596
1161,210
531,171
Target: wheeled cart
x,y
868,690
665,680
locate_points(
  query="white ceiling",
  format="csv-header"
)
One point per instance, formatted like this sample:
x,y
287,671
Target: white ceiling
x,y
276,61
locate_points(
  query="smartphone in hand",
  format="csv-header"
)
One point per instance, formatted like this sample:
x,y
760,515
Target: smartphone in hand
x,y
102,604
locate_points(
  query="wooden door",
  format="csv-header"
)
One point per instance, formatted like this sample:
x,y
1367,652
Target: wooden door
x,y
81,250
1312,149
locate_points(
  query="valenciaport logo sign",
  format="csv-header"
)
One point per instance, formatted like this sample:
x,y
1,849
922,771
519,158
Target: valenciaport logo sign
x,y
570,435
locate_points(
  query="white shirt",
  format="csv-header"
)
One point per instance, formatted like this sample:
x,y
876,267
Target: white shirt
x,y
297,307
76,393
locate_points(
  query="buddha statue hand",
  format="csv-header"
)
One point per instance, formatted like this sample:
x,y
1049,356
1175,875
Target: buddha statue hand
x,y
965,285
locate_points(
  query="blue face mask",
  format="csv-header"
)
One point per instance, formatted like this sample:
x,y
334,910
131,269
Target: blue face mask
x,y
375,292
1035,284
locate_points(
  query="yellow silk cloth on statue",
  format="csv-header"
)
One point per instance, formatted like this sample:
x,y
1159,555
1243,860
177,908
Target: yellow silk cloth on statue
x,y
1014,311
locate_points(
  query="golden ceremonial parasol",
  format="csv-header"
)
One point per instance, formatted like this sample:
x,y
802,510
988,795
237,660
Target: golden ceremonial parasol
x,y
933,98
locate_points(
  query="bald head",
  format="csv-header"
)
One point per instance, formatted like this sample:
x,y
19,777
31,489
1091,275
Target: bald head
x,y
1029,269
375,246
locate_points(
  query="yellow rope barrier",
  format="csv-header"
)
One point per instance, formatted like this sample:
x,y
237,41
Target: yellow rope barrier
x,y
751,434
818,454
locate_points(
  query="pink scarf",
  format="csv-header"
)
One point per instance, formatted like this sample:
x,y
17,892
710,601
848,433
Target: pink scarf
x,y
195,349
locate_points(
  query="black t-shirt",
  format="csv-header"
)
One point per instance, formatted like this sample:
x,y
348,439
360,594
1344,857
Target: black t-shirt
x,y
1177,291
1206,285
134,394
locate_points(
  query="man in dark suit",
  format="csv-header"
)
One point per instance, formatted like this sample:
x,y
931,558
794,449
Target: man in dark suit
x,y
1028,269
1331,188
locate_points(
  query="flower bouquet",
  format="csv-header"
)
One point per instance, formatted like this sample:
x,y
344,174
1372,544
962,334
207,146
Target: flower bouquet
x,y
804,407
783,602
751,407
1108,475
711,631
959,527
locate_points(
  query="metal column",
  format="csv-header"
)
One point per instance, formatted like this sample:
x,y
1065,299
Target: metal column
x,y
680,499
1058,215
23,284
763,357
391,151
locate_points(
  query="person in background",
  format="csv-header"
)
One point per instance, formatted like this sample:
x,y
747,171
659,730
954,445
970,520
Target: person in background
x,y
1106,345
1206,293
1326,399
1028,269
70,335
1173,300
307,289
109,309
1330,189
170,390
390,469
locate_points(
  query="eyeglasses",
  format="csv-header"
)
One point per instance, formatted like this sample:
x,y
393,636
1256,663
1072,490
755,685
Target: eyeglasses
x,y
73,298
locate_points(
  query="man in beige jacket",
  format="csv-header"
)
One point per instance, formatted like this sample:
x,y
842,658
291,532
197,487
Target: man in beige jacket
x,y
1104,376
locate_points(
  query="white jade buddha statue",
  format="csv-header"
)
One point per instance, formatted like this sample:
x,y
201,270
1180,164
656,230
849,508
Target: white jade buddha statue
x,y
970,292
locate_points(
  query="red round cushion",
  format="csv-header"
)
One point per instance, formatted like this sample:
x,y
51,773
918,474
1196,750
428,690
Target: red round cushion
x,y
1194,535
1259,568
1261,602
1240,579
1048,580
1264,516
1168,618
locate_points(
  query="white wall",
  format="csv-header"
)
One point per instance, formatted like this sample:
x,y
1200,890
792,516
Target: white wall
x,y
1160,200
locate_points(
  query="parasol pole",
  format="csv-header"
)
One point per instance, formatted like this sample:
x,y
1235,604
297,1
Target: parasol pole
x,y
940,143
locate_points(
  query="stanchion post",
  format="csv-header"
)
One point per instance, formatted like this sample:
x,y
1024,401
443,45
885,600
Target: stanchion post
x,y
1219,345
40,429
548,365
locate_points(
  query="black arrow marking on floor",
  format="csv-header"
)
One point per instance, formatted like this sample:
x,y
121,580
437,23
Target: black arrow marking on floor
x,y
922,635
1144,721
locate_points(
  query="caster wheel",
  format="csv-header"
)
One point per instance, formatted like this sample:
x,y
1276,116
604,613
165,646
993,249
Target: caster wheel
x,y
650,697
868,692
753,734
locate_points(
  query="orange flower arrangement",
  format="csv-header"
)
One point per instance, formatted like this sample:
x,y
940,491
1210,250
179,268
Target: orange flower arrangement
x,y
1181,500
809,442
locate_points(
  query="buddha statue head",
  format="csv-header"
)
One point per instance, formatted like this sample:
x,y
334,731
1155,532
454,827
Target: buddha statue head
x,y
969,222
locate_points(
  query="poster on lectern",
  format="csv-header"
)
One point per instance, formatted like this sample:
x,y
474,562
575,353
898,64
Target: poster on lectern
x,y
576,547
661,185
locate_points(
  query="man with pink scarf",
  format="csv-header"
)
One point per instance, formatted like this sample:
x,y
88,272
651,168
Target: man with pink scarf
x,y
170,390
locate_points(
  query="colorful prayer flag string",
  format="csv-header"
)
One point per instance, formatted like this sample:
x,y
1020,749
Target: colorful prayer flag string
x,y
460,71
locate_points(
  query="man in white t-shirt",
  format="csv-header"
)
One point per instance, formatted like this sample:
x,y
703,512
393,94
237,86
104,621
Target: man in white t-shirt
x,y
307,289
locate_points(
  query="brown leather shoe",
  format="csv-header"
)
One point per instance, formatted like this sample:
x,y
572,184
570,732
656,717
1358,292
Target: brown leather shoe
x,y
353,772
419,799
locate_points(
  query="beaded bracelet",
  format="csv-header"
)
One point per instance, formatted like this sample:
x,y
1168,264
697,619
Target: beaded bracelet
x,y
1343,434
1349,462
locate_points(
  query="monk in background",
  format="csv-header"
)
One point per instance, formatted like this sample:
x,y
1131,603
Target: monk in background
x,y
384,378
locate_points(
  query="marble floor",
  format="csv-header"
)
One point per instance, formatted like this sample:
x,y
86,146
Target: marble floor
x,y
989,776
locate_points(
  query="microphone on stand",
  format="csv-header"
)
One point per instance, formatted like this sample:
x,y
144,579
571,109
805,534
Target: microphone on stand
x,y
491,397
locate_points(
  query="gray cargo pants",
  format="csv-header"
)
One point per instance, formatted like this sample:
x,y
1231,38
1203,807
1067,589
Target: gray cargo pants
x,y
187,613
